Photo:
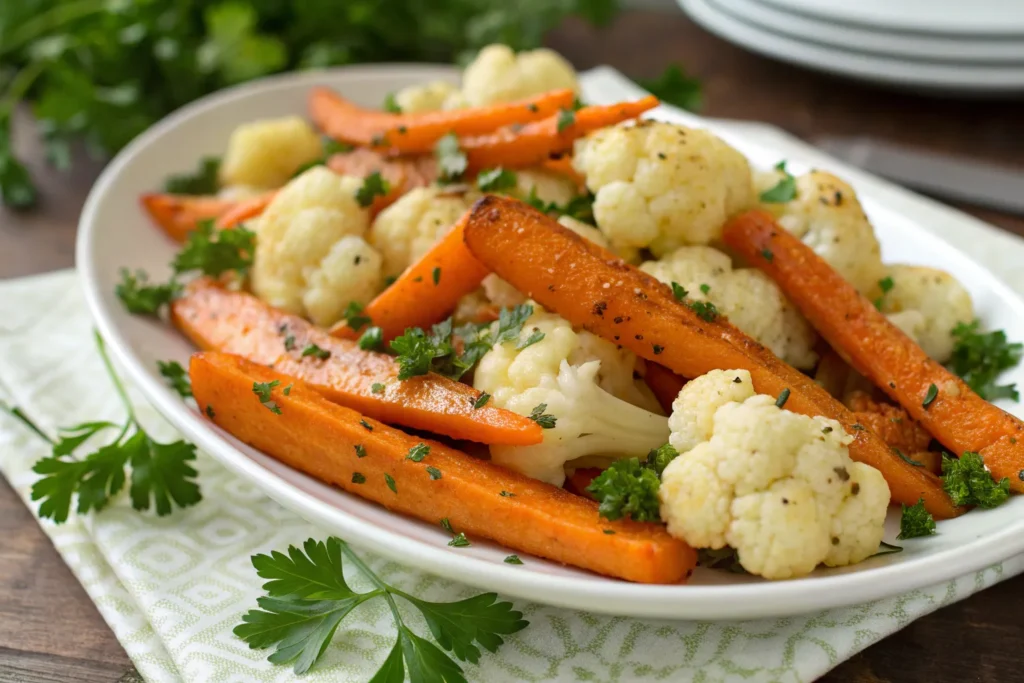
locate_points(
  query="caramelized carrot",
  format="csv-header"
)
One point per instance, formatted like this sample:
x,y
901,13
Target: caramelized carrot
x,y
595,290
427,291
665,384
562,164
245,210
236,322
943,403
417,133
534,143
326,441
177,214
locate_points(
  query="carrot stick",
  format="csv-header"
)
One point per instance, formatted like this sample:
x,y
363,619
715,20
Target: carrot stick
x,y
562,165
245,210
427,291
956,416
236,322
321,438
580,479
532,144
177,214
417,133
595,290
665,384
402,173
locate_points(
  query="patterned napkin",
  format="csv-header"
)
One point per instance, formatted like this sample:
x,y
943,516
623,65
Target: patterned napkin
x,y
173,588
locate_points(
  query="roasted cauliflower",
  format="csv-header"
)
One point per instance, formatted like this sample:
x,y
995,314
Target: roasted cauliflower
x,y
500,75
432,96
266,154
927,304
407,229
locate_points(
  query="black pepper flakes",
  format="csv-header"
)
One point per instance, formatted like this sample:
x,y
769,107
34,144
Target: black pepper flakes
x,y
855,489
617,319
639,337
658,349
599,308
842,473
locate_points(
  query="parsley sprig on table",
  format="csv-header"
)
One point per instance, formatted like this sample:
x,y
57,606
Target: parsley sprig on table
x,y
161,474
308,598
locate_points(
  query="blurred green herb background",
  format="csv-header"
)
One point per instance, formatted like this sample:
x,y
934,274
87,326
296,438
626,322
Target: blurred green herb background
x,y
102,71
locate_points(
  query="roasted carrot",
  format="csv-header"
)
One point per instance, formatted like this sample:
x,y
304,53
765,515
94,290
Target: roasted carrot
x,y
562,164
177,214
943,403
402,173
427,291
665,384
534,143
236,322
595,290
580,479
417,133
326,441
245,210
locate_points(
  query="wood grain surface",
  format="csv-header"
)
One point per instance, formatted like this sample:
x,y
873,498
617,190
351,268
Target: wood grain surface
x,y
49,629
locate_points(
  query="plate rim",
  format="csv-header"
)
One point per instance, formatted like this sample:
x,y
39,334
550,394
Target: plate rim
x,y
609,596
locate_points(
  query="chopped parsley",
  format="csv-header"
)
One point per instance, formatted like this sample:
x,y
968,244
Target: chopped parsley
x,y
512,559
287,390
768,255
391,104
358,478
887,549
289,342
705,288
545,421
204,180
451,160
627,488
916,521
214,252
496,180
481,401
705,310
660,457
389,480
930,396
885,284
360,450
263,390
374,185
657,348
906,459
447,525
209,411
580,207
459,541
783,397
371,339
967,482
315,351
506,494
435,275
176,376
434,473
366,425
418,452
725,559
784,190
141,298
679,292
566,118
376,388
353,316
979,357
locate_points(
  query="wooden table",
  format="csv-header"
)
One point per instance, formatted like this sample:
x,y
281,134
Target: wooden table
x,y
50,631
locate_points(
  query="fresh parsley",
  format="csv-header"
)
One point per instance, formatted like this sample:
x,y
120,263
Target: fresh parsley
x,y
435,275
377,388
433,472
353,316
176,376
360,450
783,397
496,180
676,87
315,351
307,598
459,541
580,207
214,252
930,396
512,559
534,337
391,104
565,119
967,482
916,521
541,418
979,358
705,310
418,452
141,298
885,285
660,457
263,392
451,160
679,292
887,549
373,185
784,190
161,474
390,481
481,401
627,489
202,181
726,559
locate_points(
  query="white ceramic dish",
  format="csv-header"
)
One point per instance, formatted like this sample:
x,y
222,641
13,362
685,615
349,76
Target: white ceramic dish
x,y
966,78
919,46
114,233
955,17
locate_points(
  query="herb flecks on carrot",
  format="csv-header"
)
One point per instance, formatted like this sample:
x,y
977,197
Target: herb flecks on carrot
x,y
574,277
320,438
951,412
236,322
245,210
178,214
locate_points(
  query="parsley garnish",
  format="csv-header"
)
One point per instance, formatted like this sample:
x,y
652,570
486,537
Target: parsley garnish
x,y
783,397
496,180
930,396
435,275
214,252
434,473
418,452
705,310
308,597
289,342
916,521
534,337
481,401
176,377
358,478
627,489
360,450
459,541
885,284
376,388
705,288
538,416
447,525
287,390
161,474
262,390
141,298
783,191
451,160
315,351
660,457
566,118
675,87
202,181
209,411
353,316
512,559
389,480
371,339
887,549
507,494
366,425
967,482
979,358
723,558
373,185
391,104
768,255
580,207
679,292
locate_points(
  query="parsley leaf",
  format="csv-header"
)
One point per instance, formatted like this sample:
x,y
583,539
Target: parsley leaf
x,y
214,252
580,207
885,285
512,559
353,316
916,521
496,180
674,86
659,458
451,160
627,489
481,401
176,376
678,291
783,191
391,104
979,358
459,541
705,310
202,181
263,390
373,185
534,337
967,482
315,351
141,298
545,421
418,452
511,321
724,558
566,118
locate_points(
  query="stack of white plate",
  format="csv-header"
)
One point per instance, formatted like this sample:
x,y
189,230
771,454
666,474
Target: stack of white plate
x,y
974,46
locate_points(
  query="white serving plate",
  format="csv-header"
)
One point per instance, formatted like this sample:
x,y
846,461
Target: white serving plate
x,y
114,233
951,76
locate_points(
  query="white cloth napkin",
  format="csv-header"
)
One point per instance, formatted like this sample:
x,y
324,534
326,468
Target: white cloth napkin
x,y
172,588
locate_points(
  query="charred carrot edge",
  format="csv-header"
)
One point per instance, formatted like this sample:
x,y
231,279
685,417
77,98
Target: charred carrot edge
x,y
417,133
955,415
178,214
245,210
595,290
427,291
532,144
327,441
236,322
664,383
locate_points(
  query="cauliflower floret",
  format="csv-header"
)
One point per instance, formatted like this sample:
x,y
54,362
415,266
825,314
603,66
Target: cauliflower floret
x,y
500,75
828,217
939,299
351,271
590,423
585,230
662,185
431,96
407,229
777,486
748,297
547,186
265,154
297,235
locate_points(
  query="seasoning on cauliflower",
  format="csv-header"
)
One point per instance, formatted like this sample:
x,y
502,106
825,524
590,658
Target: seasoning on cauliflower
x,y
661,185
777,486
500,75
939,301
266,154
432,96
827,216
407,229
748,297
303,263
588,385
